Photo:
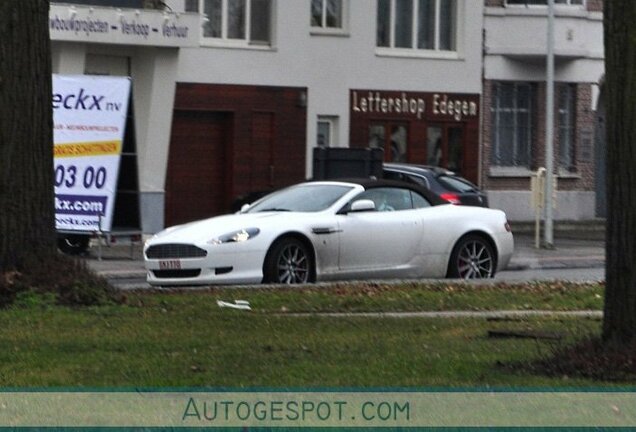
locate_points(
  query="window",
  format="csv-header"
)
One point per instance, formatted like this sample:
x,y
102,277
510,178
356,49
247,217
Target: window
x,y
511,112
192,5
417,24
393,199
392,137
567,125
326,131
327,14
419,201
323,134
108,3
238,22
301,198
545,2
394,175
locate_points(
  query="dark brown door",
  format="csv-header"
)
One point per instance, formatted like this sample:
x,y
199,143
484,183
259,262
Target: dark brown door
x,y
196,181
261,169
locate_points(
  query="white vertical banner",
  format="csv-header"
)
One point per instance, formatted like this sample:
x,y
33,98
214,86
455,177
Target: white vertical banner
x,y
89,116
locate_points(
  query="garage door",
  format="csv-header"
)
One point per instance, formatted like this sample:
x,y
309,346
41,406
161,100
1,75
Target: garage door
x,y
196,181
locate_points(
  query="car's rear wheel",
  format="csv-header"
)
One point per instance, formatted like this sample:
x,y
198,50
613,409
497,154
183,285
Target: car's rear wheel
x,y
473,257
289,262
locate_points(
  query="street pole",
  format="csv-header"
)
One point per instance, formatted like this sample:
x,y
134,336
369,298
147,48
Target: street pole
x,y
549,132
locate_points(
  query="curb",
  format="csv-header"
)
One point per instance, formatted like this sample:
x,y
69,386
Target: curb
x,y
557,263
586,229
514,265
497,314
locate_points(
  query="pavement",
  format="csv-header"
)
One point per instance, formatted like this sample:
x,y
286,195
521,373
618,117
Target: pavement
x,y
582,247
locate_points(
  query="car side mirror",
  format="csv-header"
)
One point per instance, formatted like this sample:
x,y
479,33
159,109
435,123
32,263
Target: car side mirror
x,y
362,205
244,207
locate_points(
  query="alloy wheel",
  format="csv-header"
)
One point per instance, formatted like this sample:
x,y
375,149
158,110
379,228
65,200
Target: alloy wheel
x,y
293,265
475,260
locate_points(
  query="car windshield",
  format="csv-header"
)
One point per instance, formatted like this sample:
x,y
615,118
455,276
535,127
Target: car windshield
x,y
303,198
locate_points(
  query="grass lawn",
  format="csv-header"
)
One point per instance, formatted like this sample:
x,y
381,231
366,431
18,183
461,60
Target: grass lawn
x,y
185,339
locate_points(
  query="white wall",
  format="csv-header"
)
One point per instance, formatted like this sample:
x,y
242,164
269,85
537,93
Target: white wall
x,y
516,40
570,205
329,66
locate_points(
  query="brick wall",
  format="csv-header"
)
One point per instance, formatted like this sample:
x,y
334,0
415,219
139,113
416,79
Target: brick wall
x,y
585,123
595,5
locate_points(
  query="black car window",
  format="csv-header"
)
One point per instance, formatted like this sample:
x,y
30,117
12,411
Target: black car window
x,y
409,178
388,198
422,181
456,184
419,201
392,175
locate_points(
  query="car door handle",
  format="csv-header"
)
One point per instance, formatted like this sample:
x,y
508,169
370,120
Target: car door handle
x,y
324,230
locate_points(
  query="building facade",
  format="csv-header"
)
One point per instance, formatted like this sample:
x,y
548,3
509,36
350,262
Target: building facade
x,y
237,103
514,101
232,96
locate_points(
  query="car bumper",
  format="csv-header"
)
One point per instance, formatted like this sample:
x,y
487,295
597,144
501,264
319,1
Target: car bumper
x,y
244,267
505,246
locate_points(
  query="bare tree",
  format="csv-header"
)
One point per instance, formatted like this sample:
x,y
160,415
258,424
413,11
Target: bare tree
x,y
26,147
619,323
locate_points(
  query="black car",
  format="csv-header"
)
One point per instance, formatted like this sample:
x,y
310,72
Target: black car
x,y
445,183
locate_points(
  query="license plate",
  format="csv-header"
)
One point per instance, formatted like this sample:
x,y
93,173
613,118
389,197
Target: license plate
x,y
170,265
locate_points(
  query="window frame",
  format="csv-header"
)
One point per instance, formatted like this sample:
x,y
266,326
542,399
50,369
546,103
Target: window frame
x,y
245,42
323,28
413,50
332,122
496,110
192,6
566,113
565,3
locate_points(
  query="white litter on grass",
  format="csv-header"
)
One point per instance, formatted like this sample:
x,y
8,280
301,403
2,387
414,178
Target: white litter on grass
x,y
238,304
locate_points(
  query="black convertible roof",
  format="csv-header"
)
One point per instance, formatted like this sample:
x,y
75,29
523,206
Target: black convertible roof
x,y
373,183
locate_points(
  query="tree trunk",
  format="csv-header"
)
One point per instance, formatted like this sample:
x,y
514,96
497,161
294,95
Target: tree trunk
x,y
619,322
26,146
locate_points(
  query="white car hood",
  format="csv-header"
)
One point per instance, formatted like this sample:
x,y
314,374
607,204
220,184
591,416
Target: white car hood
x,y
208,229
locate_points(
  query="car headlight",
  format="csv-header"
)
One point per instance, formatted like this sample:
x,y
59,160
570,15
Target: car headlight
x,y
236,236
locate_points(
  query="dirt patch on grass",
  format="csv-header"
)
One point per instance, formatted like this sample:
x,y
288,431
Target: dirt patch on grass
x,y
69,280
590,358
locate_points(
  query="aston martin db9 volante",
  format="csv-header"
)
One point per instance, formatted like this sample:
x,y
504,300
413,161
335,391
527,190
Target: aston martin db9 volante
x,y
334,230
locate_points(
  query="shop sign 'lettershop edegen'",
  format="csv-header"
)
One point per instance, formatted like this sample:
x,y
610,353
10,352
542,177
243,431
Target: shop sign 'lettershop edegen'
x,y
456,107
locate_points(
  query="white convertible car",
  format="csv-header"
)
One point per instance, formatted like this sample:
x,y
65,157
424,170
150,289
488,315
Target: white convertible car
x,y
334,230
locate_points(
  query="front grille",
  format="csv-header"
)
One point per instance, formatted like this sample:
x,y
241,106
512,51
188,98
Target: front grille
x,y
175,250
176,274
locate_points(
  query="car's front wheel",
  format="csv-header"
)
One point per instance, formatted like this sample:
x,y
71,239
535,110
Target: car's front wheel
x,y
472,258
288,262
